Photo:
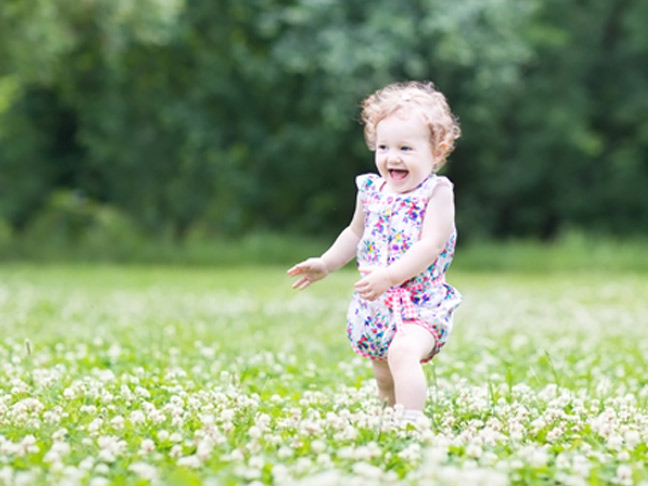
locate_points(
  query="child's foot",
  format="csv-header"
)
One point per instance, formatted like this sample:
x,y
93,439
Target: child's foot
x,y
413,417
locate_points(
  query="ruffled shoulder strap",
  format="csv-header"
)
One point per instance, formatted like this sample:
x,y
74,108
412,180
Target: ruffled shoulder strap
x,y
431,183
367,183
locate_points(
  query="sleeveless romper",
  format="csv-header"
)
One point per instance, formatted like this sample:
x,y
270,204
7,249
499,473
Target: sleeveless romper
x,y
392,225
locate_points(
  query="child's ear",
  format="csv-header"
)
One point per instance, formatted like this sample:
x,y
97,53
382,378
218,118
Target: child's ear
x,y
441,150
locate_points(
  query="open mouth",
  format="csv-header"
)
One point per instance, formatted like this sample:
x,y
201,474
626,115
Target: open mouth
x,y
398,174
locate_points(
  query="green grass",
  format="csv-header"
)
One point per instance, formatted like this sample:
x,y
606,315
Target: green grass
x,y
225,376
572,252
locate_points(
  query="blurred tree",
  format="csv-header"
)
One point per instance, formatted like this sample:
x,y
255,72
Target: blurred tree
x,y
242,114
572,131
339,52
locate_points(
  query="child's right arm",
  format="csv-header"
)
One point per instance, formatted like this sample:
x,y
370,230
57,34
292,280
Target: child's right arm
x,y
339,254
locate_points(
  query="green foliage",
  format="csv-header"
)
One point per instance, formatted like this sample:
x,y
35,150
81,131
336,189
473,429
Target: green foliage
x,y
240,115
71,221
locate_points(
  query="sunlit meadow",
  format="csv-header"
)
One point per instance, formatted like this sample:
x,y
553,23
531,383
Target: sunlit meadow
x,y
176,376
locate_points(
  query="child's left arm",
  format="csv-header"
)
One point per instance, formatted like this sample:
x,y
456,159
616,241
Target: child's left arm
x,y
437,227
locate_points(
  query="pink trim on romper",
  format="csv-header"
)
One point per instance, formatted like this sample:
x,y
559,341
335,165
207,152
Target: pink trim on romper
x,y
399,300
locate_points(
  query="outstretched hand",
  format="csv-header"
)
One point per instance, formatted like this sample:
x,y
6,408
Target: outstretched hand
x,y
310,271
375,283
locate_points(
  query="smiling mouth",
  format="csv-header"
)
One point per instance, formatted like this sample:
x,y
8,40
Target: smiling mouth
x,y
398,174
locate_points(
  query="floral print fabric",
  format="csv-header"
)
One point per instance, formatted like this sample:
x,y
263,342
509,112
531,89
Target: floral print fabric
x,y
392,225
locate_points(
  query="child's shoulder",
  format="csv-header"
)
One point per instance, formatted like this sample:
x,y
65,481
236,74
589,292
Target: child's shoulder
x,y
436,180
367,181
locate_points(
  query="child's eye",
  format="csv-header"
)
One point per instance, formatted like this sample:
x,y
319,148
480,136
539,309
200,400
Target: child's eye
x,y
405,148
382,148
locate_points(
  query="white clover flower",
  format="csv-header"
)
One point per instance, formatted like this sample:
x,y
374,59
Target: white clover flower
x,y
368,471
157,416
145,471
632,438
326,478
516,431
303,465
26,446
254,447
236,456
6,475
60,434
581,465
126,393
95,425
204,449
27,406
555,434
192,461
285,452
614,442
324,460
137,417
147,446
474,450
117,422
256,462
538,457
263,421
99,481
52,416
254,432
273,439
279,473
56,452
227,415
110,448
247,473
87,464
310,427
142,392
318,446
349,433
624,475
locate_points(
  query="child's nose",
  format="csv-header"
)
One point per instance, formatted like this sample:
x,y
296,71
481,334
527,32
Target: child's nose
x,y
394,156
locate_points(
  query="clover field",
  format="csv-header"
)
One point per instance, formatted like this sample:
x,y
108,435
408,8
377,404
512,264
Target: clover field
x,y
133,375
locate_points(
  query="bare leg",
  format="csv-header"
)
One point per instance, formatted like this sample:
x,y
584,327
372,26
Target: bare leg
x,y
385,382
407,349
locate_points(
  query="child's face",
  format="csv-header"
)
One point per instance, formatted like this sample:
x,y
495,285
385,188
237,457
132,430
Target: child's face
x,y
404,156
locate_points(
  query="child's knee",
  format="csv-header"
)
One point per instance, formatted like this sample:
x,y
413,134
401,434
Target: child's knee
x,y
401,351
410,348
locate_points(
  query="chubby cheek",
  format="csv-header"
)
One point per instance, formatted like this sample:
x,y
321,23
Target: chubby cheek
x,y
381,163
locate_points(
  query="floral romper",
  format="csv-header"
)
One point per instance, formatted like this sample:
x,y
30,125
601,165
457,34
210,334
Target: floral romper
x,y
392,225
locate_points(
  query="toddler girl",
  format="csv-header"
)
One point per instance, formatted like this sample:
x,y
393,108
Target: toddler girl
x,y
403,236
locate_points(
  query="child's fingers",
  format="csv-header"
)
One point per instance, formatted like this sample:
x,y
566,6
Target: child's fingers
x,y
296,270
301,284
364,281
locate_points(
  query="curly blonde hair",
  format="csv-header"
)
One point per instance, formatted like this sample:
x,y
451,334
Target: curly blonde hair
x,y
413,95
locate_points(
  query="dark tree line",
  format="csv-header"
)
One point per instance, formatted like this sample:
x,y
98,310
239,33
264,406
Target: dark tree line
x,y
174,118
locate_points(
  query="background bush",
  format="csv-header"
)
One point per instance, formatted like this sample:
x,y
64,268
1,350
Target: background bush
x,y
175,119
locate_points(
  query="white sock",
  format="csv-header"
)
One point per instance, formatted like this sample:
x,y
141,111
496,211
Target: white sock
x,y
412,416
